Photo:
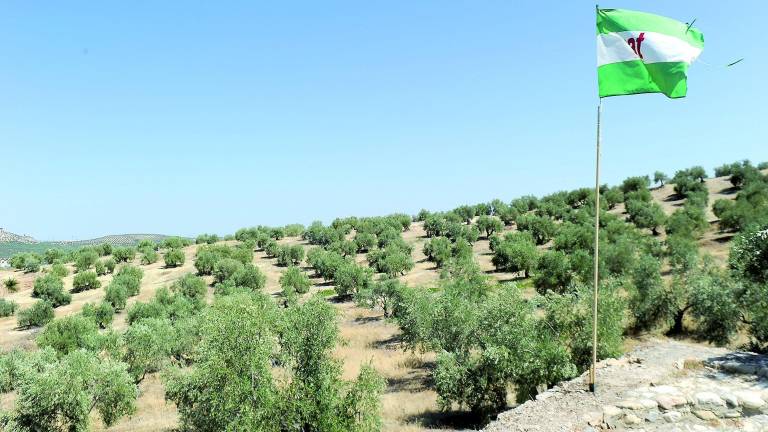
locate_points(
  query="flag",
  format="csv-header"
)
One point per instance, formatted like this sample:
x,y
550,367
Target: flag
x,y
639,52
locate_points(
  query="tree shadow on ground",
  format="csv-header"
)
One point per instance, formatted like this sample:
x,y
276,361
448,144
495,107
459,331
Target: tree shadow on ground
x,y
729,190
461,420
392,342
724,238
367,319
513,277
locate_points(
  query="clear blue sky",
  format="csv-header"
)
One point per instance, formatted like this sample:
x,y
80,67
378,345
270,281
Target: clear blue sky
x,y
189,117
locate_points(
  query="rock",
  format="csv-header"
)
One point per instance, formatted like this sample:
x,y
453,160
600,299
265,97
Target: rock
x,y
652,416
730,399
705,415
731,414
744,368
611,416
666,389
708,399
670,402
594,418
672,416
632,419
611,411
648,403
750,400
631,405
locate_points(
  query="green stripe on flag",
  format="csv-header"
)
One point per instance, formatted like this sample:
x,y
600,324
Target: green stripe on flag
x,y
618,20
634,77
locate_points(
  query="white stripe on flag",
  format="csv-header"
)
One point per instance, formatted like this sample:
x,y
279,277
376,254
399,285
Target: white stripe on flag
x,y
654,47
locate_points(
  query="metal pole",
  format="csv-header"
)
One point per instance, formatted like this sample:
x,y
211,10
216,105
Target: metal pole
x,y
593,370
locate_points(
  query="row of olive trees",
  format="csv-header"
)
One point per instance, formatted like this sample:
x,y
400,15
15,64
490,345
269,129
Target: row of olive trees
x,y
77,369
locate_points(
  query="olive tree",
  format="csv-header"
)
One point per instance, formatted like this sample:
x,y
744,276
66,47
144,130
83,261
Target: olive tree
x,y
174,258
365,241
486,342
124,254
206,239
69,334
660,178
646,215
116,296
634,184
85,258
226,268
37,315
100,268
110,264
191,287
748,260
205,261
85,281
102,314
51,289
515,255
63,395
315,399
147,346
249,276
293,254
149,256
53,255
690,220
438,250
31,264
489,224
553,272
466,213
217,392
383,294
7,307
613,196
293,280
350,278
542,228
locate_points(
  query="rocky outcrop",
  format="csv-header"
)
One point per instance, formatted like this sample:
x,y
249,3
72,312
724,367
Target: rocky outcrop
x,y
662,386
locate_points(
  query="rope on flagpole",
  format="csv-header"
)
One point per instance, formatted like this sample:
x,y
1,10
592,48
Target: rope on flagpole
x,y
593,369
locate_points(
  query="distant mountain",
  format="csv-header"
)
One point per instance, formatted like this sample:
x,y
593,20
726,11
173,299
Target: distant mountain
x,y
11,243
116,240
7,236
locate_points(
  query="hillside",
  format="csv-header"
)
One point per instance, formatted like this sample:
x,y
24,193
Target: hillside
x,y
9,237
14,245
410,401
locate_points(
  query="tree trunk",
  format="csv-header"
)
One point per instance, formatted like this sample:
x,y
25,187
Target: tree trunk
x,y
677,328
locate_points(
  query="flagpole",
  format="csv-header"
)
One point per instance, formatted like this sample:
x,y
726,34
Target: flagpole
x,y
593,369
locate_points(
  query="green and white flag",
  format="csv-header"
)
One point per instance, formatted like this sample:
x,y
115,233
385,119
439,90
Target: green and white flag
x,y
639,52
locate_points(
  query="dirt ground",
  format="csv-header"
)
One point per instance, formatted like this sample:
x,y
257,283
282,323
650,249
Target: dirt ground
x,y
409,403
